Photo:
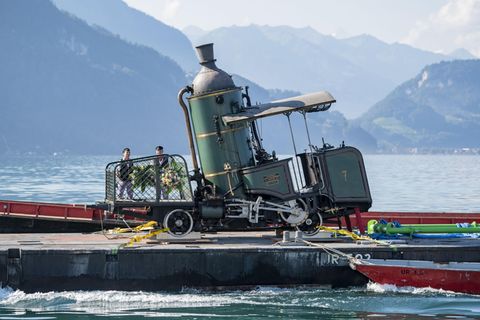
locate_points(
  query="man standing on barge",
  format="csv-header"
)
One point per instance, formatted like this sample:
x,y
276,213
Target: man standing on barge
x,y
160,162
124,175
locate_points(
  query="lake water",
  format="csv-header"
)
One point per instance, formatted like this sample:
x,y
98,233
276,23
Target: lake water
x,y
398,183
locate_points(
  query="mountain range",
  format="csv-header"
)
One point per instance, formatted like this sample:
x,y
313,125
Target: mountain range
x,y
359,71
68,87
298,59
439,108
96,76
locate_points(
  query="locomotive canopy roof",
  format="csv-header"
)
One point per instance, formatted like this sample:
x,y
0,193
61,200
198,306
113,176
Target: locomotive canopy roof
x,y
312,102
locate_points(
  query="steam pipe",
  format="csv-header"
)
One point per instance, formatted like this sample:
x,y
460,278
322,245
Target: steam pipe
x,y
189,128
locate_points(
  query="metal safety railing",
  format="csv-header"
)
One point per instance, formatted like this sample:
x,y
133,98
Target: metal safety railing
x,y
148,180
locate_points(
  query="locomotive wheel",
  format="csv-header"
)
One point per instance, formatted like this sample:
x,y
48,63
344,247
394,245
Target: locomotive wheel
x,y
179,222
299,214
310,226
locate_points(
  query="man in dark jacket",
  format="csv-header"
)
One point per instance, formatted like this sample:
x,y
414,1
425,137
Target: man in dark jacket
x,y
124,175
160,162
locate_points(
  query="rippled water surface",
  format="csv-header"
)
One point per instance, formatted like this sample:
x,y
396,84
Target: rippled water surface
x,y
424,182
397,182
373,301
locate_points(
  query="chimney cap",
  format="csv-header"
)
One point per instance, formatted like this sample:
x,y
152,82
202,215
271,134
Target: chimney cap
x,y
210,78
205,53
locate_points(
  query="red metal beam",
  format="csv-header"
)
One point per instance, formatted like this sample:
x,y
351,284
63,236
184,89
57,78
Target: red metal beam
x,y
41,210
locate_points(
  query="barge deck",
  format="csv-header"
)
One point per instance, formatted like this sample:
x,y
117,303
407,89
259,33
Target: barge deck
x,y
74,261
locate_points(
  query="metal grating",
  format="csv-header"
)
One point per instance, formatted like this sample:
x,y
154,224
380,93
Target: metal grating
x,y
148,180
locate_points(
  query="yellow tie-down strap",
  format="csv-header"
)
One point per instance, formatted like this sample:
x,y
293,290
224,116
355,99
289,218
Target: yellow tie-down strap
x,y
352,235
143,227
141,237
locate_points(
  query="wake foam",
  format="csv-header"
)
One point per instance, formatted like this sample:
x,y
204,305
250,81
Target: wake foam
x,y
382,288
107,301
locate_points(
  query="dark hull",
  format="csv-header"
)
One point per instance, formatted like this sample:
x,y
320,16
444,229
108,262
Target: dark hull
x,y
45,262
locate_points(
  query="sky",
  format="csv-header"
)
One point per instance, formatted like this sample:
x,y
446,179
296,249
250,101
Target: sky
x,y
434,25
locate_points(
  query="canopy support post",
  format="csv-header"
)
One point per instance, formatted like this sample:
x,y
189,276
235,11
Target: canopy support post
x,y
308,131
295,155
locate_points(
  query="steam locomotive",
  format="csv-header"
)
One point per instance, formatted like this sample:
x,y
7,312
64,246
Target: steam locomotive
x,y
235,183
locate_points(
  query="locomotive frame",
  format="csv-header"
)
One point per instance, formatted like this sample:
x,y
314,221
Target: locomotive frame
x,y
235,184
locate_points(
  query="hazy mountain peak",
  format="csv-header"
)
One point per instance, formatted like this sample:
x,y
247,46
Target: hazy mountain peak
x,y
135,26
194,33
363,39
462,54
